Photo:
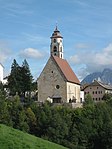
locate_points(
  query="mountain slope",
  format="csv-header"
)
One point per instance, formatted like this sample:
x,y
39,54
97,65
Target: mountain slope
x,y
105,76
14,139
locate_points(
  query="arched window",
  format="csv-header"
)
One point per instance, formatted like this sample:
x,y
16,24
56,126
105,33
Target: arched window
x,y
54,40
60,49
55,49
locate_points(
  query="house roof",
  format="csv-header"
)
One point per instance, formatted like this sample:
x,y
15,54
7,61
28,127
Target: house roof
x,y
66,70
106,86
98,83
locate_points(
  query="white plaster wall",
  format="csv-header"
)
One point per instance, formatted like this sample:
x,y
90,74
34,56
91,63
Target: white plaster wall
x,y
73,90
82,96
60,48
1,73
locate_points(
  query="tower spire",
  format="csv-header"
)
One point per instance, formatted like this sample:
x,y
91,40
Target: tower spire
x,y
56,46
56,26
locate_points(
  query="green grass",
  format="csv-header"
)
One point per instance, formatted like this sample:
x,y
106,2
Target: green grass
x,y
14,139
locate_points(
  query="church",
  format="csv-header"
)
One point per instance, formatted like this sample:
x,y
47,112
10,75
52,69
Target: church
x,y
57,82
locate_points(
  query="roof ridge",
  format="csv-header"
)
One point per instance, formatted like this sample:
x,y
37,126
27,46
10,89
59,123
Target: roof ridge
x,y
66,70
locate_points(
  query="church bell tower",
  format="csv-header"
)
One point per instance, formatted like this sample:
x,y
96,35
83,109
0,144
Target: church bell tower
x,y
56,47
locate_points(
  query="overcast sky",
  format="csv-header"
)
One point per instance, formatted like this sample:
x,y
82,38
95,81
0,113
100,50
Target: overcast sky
x,y
86,27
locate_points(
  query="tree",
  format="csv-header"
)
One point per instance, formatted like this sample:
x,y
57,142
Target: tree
x,y
1,87
26,78
57,129
107,96
88,100
20,79
31,120
17,114
4,114
102,126
14,79
22,121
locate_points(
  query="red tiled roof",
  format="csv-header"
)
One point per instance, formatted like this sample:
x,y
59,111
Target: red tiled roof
x,y
66,70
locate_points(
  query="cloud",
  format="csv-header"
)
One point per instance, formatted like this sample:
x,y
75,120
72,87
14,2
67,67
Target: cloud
x,y
75,59
15,9
31,53
93,61
5,51
82,46
36,38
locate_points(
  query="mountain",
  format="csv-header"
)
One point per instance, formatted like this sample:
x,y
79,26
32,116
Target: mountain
x,y
14,139
105,76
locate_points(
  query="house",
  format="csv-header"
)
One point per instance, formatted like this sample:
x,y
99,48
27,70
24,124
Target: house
x,y
57,82
97,90
1,72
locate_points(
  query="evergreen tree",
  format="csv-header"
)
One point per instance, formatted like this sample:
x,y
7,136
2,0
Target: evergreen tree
x,y
17,114
14,79
20,79
4,114
31,120
26,78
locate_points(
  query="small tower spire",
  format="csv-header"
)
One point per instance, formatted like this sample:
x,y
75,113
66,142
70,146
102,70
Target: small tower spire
x,y
56,46
56,26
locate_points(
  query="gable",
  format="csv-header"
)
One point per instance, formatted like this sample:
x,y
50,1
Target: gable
x,y
97,83
66,70
51,71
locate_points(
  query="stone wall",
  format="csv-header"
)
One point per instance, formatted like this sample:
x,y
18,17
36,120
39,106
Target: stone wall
x,y
51,83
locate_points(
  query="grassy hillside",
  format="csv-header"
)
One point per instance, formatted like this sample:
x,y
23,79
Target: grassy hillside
x,y
13,139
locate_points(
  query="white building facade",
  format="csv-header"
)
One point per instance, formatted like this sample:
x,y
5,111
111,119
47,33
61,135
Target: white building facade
x,y
1,73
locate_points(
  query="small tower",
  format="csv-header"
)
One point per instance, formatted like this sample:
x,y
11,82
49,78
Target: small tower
x,y
56,46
